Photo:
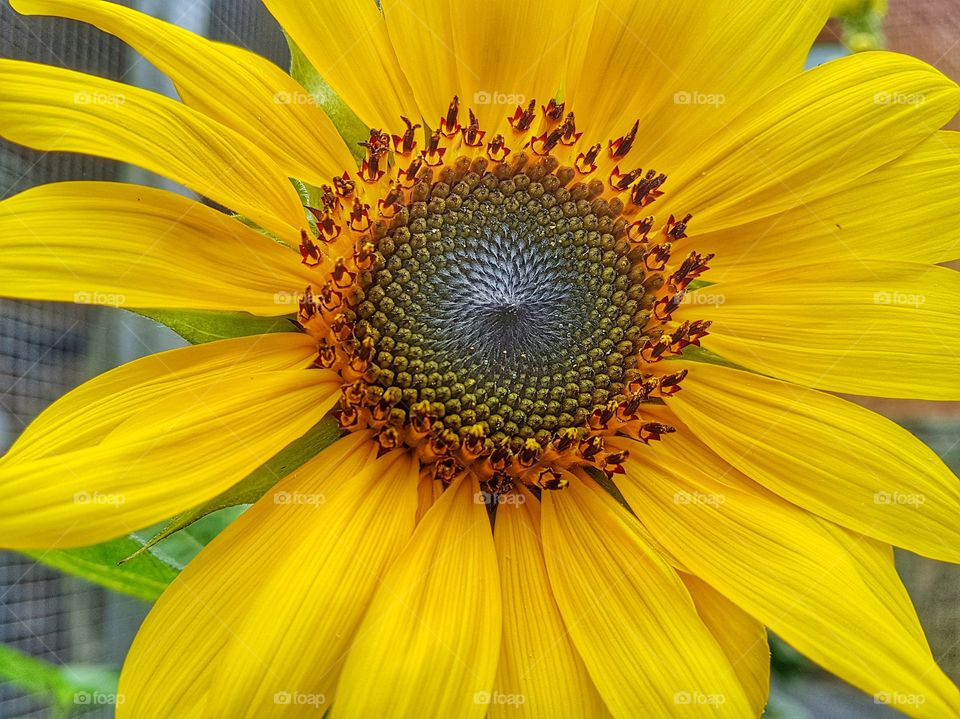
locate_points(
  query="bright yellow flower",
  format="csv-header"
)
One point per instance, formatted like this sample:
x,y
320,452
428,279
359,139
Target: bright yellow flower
x,y
502,310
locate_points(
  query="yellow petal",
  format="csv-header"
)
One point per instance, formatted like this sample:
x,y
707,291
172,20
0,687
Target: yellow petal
x,y
831,594
235,87
668,66
905,210
131,447
629,614
169,669
52,109
331,557
886,329
509,53
811,137
540,673
438,608
423,40
741,637
827,455
347,43
130,246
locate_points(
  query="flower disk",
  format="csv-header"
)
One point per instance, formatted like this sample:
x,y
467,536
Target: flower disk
x,y
501,310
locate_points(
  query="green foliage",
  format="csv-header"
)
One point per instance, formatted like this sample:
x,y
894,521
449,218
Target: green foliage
x,y
67,687
199,326
350,127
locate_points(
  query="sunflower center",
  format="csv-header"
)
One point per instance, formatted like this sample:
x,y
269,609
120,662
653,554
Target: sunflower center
x,y
498,305
506,300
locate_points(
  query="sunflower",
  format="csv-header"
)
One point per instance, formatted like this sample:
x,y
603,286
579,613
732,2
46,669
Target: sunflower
x,y
588,449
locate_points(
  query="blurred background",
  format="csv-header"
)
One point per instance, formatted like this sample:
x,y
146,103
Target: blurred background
x,y
62,639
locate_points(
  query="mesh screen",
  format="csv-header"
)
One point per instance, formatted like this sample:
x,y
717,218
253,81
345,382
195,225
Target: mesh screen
x,y
45,350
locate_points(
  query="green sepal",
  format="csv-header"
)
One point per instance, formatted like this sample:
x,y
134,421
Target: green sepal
x,y
145,578
199,326
351,128
257,483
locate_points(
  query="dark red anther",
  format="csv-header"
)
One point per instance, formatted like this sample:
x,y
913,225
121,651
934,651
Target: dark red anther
x,y
657,256
591,447
497,149
391,204
670,384
364,255
565,133
450,124
529,453
445,469
666,306
344,186
638,231
622,145
569,129
330,299
647,190
678,230
654,351
331,202
551,480
501,457
472,134
307,304
621,182
326,354
360,216
371,170
433,154
408,177
309,251
691,268
405,144
587,162
342,277
522,120
553,110
652,431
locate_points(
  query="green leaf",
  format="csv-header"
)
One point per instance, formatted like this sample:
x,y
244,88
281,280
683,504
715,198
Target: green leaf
x,y
144,578
68,686
199,326
258,482
350,127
